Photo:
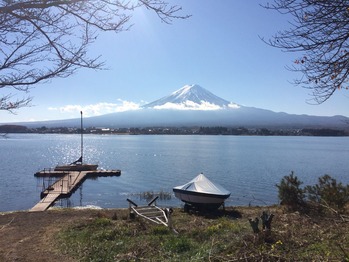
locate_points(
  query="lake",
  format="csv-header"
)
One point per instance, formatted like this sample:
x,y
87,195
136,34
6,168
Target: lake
x,y
248,166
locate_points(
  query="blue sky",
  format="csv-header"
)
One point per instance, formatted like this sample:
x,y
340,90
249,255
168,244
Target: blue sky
x,y
219,48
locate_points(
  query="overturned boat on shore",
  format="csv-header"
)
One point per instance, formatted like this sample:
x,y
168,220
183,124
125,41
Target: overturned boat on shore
x,y
202,192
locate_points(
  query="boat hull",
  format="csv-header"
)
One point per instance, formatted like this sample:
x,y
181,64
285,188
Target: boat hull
x,y
76,167
198,198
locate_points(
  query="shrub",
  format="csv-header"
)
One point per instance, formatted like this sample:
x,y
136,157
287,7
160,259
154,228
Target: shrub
x,y
329,192
290,193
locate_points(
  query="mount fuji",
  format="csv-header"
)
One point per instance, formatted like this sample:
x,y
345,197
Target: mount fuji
x,y
191,97
193,105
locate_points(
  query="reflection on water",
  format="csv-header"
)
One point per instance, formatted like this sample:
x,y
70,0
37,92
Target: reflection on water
x,y
64,203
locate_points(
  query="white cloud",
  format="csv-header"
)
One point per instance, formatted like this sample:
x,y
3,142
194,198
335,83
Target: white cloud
x,y
99,108
32,120
122,105
234,106
190,105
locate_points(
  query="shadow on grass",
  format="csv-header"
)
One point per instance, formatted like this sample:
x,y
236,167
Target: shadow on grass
x,y
213,213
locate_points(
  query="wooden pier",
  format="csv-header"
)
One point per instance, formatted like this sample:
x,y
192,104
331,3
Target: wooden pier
x,y
65,186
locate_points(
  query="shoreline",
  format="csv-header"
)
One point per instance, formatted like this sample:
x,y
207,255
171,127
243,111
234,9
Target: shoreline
x,y
97,208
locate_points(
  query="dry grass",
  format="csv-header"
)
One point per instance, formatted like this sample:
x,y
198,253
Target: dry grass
x,y
109,235
223,236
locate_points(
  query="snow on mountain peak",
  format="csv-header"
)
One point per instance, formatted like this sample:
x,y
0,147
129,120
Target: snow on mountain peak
x,y
191,97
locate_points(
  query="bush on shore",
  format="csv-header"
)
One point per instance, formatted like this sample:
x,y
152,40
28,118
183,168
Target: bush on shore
x,y
327,194
290,193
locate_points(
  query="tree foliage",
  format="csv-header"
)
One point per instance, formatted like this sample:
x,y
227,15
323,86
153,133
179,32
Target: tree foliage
x,y
329,193
319,32
326,193
290,192
44,39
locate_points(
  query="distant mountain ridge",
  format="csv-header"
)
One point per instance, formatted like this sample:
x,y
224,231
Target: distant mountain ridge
x,y
193,105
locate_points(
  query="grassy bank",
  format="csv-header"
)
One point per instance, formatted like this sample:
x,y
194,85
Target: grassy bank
x,y
223,236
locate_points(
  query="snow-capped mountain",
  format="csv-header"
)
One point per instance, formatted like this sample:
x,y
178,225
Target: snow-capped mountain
x,y
199,107
191,97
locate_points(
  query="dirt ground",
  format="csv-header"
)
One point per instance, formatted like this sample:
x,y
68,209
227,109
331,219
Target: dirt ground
x,y
29,236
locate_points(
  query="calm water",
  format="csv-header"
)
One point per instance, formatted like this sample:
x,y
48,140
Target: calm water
x,y
247,166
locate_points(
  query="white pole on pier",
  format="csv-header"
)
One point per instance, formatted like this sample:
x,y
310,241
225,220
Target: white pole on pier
x,y
82,140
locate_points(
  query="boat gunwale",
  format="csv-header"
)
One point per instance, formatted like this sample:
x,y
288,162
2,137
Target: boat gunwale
x,y
194,193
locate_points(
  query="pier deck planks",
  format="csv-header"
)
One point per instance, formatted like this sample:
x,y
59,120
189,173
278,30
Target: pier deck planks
x,y
66,185
45,203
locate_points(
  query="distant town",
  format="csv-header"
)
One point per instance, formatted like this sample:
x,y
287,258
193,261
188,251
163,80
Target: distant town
x,y
218,130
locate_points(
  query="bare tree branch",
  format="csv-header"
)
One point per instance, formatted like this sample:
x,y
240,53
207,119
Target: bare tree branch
x,y
45,39
319,32
8,104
